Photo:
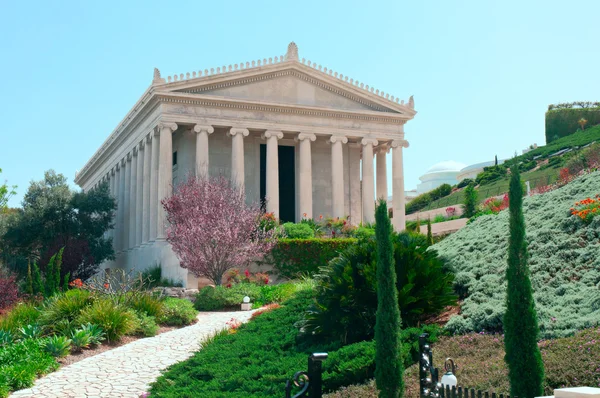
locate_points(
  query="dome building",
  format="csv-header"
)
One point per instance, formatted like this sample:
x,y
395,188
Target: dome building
x,y
445,172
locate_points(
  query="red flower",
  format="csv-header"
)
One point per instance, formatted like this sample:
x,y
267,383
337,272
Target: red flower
x,y
247,273
106,286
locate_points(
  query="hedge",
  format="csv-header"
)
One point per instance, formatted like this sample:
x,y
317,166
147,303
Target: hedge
x,y
563,122
293,257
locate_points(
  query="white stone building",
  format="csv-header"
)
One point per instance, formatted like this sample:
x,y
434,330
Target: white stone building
x,y
283,128
445,172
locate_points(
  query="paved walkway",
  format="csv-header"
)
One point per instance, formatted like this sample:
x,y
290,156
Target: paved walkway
x,y
128,370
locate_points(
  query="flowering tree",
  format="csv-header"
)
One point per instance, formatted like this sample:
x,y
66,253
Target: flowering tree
x,y
212,229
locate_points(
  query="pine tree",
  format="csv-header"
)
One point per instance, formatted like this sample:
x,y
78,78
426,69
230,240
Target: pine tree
x,y
388,362
37,284
525,366
429,233
470,201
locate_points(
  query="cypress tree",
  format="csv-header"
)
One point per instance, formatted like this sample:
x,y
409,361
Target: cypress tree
x,y
470,201
429,233
65,286
525,366
50,276
37,284
29,279
388,362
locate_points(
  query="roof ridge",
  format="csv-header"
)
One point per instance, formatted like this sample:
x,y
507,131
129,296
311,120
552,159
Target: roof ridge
x,y
290,56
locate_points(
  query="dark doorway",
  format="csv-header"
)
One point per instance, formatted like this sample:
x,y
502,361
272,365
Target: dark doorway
x,y
287,181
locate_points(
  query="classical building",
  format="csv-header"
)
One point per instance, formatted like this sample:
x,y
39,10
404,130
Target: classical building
x,y
284,128
440,173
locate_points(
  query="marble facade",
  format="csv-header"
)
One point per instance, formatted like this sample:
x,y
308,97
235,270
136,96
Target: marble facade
x,y
234,122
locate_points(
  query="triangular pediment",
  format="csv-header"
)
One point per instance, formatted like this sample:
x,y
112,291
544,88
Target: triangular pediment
x,y
289,83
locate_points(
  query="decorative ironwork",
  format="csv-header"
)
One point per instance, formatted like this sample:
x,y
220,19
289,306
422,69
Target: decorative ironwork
x,y
310,383
428,374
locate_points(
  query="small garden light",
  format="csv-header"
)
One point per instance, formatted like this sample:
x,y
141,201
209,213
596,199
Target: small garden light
x,y
246,305
449,379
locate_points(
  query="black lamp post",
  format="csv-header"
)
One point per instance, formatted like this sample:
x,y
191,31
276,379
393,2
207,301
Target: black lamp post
x,y
430,386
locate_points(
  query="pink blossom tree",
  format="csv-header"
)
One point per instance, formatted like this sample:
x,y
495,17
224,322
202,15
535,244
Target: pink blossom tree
x,y
212,229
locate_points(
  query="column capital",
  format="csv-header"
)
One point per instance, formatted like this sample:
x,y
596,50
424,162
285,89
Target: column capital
x,y
149,136
272,133
142,143
338,138
366,141
399,143
167,125
113,171
236,130
135,150
383,148
305,136
129,156
202,127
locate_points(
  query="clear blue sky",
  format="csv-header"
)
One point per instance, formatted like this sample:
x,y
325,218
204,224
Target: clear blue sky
x,y
482,72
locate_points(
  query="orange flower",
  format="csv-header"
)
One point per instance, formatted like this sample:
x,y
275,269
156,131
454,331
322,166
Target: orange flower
x,y
106,285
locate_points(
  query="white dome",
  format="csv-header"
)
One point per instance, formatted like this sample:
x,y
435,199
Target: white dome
x,y
446,166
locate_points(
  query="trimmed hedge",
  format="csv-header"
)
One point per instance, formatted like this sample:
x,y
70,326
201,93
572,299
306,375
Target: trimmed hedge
x,y
426,198
293,257
563,122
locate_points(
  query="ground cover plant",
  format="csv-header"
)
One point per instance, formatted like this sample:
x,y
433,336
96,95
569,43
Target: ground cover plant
x,y
569,362
564,262
257,358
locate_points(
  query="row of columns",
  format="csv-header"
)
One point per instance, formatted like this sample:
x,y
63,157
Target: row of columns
x,y
144,177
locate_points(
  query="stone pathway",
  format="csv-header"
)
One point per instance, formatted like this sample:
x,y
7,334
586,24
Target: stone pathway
x,y
128,370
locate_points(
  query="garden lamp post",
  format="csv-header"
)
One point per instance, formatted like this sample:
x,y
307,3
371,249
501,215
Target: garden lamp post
x,y
449,379
246,304
430,384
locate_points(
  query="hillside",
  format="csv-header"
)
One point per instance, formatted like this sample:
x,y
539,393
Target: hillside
x,y
536,177
564,262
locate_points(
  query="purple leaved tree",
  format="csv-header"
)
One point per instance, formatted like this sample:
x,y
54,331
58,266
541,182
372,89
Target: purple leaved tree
x,y
212,229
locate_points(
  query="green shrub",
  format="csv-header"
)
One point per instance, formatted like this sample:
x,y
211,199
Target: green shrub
x,y
564,253
30,332
294,257
564,122
346,300
64,307
21,363
145,303
80,339
298,231
58,346
21,315
221,297
114,319
97,335
491,174
261,356
363,232
144,325
470,201
177,312
463,183
419,203
6,338
274,294
152,278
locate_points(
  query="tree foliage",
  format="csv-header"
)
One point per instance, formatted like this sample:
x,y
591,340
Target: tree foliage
x,y
388,371
346,299
521,331
212,229
470,201
6,193
53,217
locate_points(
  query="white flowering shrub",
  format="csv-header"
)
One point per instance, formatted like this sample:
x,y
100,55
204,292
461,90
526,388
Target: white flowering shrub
x,y
564,259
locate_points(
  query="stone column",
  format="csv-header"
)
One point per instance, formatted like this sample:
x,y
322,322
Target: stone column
x,y
127,203
146,188
337,175
305,178
153,209
237,155
121,206
165,173
133,197
382,189
368,188
272,180
113,193
139,194
202,133
354,181
399,215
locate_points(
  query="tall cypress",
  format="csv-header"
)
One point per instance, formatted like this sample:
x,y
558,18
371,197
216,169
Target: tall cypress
x,y
523,357
388,362
37,284
29,286
429,233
